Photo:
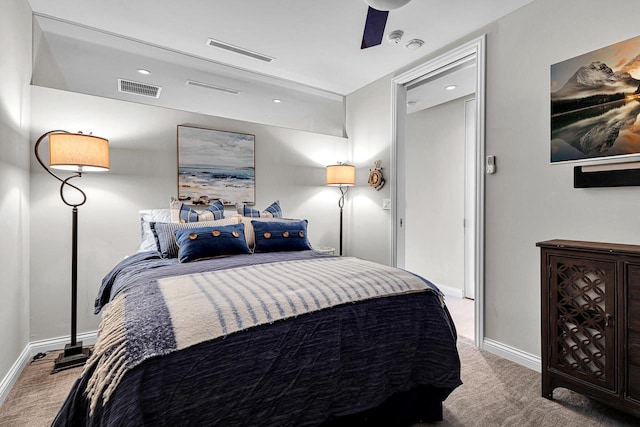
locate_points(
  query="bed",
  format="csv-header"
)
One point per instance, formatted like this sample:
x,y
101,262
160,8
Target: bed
x,y
264,338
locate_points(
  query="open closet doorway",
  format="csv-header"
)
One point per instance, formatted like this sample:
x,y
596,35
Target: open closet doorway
x,y
438,169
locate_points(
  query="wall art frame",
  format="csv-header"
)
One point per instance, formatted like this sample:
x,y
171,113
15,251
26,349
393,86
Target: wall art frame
x,y
595,105
215,164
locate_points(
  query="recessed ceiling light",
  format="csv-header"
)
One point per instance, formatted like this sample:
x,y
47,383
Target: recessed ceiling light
x,y
143,71
451,87
277,101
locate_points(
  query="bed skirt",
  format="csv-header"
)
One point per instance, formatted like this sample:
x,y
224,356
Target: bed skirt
x,y
422,404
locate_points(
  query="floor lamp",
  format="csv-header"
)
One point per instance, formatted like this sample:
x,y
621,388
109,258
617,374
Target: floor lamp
x,y
78,153
342,176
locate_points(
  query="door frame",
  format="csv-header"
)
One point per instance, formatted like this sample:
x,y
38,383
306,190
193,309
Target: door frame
x,y
431,68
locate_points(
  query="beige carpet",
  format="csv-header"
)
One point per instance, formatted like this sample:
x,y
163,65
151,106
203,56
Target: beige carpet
x,y
37,395
496,392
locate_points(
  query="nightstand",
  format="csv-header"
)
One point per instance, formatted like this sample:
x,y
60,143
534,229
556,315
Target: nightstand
x,y
325,250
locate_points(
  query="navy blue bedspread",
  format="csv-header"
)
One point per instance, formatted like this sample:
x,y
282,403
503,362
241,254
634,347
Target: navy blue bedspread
x,y
296,372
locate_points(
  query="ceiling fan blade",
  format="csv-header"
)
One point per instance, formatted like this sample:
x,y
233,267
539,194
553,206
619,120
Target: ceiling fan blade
x,y
374,27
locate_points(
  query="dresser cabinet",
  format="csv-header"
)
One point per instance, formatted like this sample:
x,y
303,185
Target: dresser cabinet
x,y
591,321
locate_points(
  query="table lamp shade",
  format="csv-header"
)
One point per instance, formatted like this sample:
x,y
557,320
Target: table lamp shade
x,y
341,175
78,152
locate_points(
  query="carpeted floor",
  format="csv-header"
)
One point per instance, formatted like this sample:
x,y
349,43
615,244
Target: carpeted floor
x,y
496,392
37,395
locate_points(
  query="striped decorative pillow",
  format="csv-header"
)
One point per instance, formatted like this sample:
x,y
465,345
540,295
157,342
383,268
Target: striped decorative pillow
x,y
182,213
166,240
271,211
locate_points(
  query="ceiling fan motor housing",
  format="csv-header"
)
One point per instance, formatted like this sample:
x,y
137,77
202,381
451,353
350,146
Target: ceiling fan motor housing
x,y
386,4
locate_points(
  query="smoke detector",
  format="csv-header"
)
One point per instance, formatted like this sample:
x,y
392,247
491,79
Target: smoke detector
x,y
394,37
414,44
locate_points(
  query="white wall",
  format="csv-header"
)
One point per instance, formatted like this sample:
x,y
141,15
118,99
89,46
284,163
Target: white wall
x,y
15,72
434,232
367,226
289,167
528,200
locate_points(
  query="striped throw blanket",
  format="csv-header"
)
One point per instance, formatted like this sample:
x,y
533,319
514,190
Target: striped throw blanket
x,y
176,312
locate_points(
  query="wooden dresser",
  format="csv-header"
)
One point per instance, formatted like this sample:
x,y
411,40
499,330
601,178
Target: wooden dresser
x,y
591,321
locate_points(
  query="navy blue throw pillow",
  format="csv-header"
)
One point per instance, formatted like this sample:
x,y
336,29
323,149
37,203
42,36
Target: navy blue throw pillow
x,y
280,236
209,242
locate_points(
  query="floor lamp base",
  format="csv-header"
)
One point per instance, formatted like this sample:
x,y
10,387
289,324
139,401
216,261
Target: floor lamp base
x,y
72,357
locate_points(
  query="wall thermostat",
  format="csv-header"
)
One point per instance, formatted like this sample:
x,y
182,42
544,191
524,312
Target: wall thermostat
x,y
491,164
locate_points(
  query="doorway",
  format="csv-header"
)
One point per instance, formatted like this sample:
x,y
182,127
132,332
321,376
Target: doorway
x,y
403,87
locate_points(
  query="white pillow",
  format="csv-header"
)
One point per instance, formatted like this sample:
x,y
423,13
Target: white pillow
x,y
147,240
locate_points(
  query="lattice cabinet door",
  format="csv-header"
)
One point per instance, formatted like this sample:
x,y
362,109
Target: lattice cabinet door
x,y
632,347
581,319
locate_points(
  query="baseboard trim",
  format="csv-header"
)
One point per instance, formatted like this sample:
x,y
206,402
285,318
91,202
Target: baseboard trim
x,y
449,290
513,354
43,346
33,348
14,372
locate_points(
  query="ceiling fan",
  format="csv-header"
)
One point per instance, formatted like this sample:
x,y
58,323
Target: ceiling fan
x,y
377,19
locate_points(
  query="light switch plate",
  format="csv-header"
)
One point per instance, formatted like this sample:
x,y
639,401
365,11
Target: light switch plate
x,y
491,164
386,204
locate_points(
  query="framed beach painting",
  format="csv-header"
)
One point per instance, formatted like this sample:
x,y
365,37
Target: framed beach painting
x,y
215,164
595,105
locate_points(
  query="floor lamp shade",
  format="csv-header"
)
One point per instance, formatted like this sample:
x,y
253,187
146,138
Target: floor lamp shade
x,y
341,175
78,152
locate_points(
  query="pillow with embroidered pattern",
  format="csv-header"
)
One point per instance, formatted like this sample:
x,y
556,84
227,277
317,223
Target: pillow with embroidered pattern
x,y
280,236
209,242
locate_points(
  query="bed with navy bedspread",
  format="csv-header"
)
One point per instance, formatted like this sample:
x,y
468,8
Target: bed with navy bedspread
x,y
271,339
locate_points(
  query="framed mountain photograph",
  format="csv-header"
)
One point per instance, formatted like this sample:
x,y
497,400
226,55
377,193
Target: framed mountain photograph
x,y
595,104
215,164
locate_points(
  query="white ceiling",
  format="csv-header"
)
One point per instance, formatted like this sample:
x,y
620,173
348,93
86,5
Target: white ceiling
x,y
315,43
445,86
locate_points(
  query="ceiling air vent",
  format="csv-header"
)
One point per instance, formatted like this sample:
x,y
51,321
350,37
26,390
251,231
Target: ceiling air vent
x,y
210,86
239,50
137,88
